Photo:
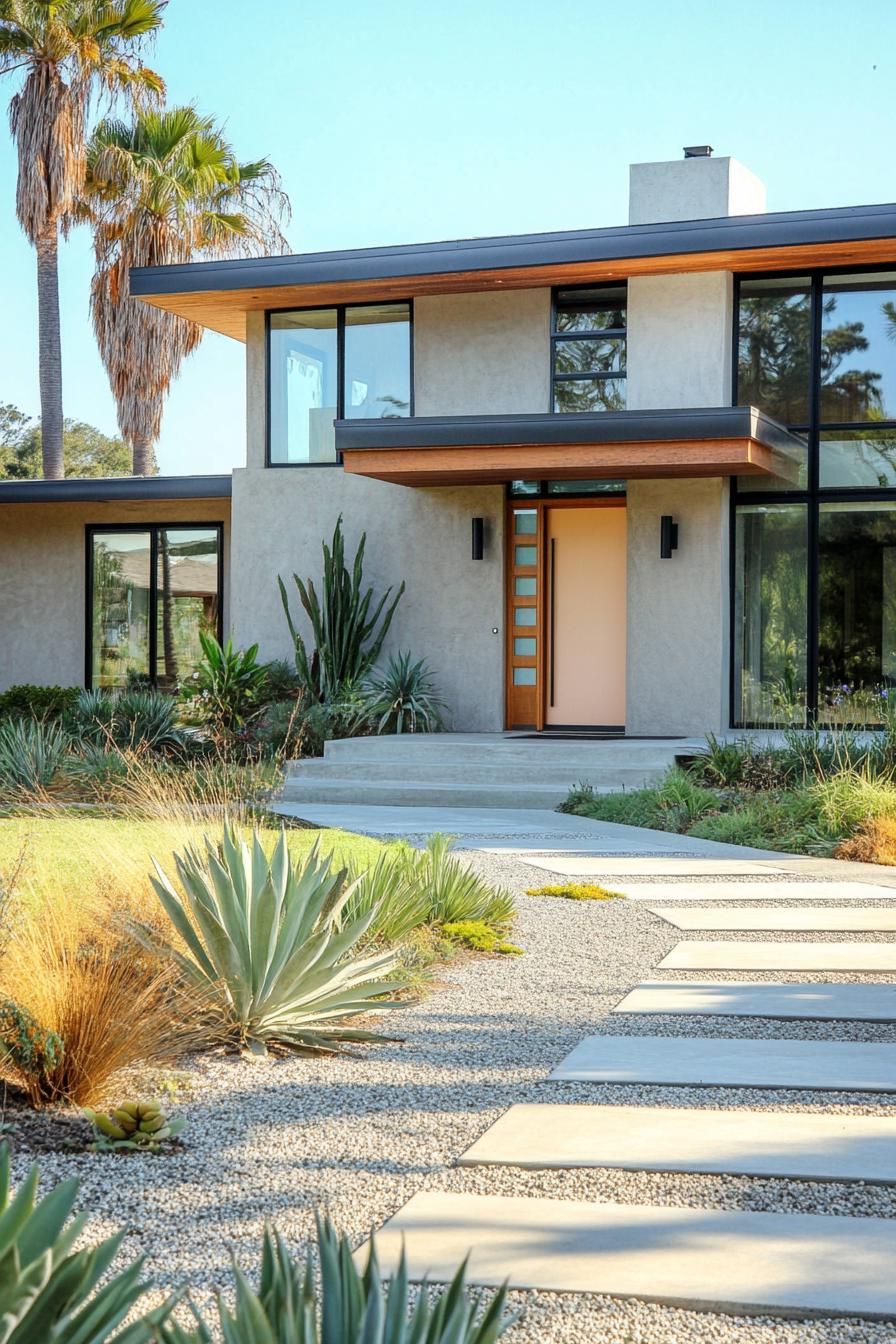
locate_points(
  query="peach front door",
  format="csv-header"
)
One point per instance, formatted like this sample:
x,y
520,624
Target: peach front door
x,y
586,558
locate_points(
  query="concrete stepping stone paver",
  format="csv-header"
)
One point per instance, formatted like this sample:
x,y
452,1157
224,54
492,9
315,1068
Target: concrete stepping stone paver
x,y
589,865
801,919
758,1262
728,955
817,1001
659,1138
753,891
695,1061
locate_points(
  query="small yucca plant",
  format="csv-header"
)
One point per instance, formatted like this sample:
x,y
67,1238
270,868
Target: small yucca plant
x,y
403,697
265,945
32,753
353,1308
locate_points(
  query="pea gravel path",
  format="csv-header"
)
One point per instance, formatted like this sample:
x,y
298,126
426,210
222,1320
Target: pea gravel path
x,y
274,1140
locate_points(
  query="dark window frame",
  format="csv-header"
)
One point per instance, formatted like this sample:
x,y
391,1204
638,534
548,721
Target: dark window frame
x,y
814,494
340,309
608,333
153,528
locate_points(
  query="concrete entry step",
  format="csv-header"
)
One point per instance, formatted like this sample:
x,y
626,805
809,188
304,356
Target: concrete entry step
x,y
802,919
472,770
728,955
656,1138
685,1061
810,1002
764,1263
754,890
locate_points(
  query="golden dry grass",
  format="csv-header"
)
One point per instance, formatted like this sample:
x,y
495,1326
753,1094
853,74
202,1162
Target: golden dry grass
x,y
873,842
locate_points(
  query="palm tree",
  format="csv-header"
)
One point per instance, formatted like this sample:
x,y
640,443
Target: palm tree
x,y
167,188
68,50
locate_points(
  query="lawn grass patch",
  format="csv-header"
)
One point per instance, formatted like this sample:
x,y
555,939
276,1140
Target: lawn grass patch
x,y
577,891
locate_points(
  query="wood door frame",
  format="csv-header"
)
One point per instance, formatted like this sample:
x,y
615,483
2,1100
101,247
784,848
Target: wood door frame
x,y
540,505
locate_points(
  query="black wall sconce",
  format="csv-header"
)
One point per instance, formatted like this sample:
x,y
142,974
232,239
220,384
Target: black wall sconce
x,y
478,538
668,536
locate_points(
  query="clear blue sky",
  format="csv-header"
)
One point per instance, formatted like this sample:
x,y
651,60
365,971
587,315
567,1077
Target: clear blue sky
x,y
400,121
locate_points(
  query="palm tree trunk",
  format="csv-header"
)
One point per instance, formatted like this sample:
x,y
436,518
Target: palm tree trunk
x,y
50,353
144,458
167,621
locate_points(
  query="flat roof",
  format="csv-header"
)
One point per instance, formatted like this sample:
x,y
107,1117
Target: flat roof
x,y
218,294
102,489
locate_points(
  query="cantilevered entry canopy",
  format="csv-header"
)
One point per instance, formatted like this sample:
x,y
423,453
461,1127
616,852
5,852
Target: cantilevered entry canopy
x,y
219,294
461,450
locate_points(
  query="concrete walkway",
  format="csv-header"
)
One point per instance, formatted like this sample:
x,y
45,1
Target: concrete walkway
x,y
744,1262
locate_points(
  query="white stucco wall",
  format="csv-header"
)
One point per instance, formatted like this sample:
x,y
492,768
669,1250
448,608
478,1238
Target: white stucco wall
x,y
482,354
451,605
42,580
680,332
677,660
700,188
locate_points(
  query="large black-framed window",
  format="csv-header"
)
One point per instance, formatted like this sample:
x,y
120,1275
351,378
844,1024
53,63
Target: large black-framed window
x,y
151,588
346,362
588,346
814,549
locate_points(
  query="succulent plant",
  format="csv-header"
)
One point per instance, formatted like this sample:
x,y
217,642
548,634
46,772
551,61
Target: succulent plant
x,y
139,1126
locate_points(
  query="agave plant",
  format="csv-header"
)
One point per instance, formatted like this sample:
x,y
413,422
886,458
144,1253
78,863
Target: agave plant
x,y
403,698
348,629
127,719
50,1292
32,753
265,943
353,1307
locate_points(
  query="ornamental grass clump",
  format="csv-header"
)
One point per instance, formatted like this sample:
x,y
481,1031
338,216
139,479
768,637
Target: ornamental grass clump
x,y
266,945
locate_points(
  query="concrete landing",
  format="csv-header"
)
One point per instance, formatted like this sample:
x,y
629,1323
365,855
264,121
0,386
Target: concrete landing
x,y
782,1264
728,955
753,891
684,1061
816,1001
804,919
658,1138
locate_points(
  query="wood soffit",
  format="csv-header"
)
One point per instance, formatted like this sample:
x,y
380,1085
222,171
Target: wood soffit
x,y
225,310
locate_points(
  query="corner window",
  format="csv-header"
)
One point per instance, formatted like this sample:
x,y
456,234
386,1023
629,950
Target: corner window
x,y
588,349
330,364
150,592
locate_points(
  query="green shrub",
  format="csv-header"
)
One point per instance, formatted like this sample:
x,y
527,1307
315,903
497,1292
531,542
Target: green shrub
x,y
265,945
722,763
281,730
354,1308
636,807
281,682
479,937
50,1292
680,801
848,799
403,698
98,770
126,719
577,891
347,627
32,753
33,1052
38,702
227,688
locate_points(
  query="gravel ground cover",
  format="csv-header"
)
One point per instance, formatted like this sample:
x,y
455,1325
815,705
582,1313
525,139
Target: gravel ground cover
x,y
273,1140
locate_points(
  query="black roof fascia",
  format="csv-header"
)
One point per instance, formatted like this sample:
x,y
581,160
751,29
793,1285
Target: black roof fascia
x,y
469,431
107,489
731,232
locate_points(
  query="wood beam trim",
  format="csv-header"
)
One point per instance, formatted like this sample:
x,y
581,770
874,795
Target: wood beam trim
x,y
466,465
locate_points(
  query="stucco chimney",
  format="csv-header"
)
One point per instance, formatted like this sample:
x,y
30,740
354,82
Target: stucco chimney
x,y
695,187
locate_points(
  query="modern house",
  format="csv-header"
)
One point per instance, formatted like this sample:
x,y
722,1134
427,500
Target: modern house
x,y
639,476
